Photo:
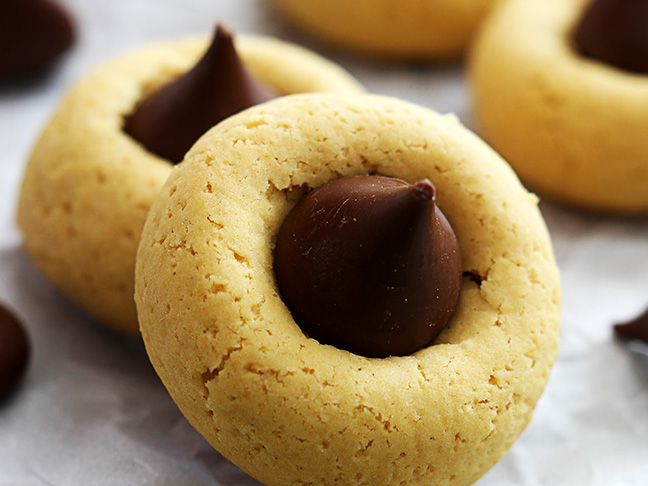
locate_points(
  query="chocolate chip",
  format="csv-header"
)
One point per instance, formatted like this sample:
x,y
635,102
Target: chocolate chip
x,y
369,264
171,119
33,35
615,32
637,329
14,352
474,276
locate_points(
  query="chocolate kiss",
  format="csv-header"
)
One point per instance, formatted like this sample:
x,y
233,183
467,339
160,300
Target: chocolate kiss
x,y
171,119
615,32
14,352
33,34
369,264
636,329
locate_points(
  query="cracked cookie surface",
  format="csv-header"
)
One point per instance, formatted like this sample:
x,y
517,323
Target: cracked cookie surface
x,y
88,186
289,410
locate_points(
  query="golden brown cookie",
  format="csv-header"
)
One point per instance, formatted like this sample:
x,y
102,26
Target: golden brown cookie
x,y
88,186
573,128
289,410
405,29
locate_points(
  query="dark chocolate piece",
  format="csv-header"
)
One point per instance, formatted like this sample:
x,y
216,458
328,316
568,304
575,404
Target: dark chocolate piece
x,y
33,35
615,32
14,352
369,264
170,120
636,329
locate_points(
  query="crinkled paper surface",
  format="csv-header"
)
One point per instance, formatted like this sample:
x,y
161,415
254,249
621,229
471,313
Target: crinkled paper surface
x,y
92,411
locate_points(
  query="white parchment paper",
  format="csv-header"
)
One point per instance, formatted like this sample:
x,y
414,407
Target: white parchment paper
x,y
92,411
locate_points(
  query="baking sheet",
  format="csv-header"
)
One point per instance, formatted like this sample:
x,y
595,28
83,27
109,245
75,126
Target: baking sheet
x,y
92,411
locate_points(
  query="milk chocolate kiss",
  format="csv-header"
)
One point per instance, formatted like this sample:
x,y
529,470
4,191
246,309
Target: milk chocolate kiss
x,y
615,32
33,34
636,329
369,264
171,119
14,352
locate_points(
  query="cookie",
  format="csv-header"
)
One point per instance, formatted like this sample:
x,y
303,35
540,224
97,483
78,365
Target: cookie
x,y
88,186
409,29
572,127
288,409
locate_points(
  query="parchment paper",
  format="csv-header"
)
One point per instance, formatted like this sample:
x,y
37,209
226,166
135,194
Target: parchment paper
x,y
92,411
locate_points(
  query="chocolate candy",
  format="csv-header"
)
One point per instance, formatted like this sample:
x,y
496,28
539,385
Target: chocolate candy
x,y
369,264
14,352
33,35
171,119
615,32
636,329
